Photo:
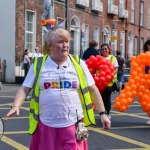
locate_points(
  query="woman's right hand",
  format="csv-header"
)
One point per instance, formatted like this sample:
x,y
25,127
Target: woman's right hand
x,y
13,110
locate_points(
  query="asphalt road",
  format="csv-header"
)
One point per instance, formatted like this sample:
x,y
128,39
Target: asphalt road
x,y
128,131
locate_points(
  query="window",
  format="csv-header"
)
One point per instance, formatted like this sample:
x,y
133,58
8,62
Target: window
x,y
135,46
110,2
133,11
122,43
122,4
141,45
86,37
30,42
96,34
142,13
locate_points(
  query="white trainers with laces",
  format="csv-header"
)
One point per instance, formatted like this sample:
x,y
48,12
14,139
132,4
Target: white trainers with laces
x,y
148,122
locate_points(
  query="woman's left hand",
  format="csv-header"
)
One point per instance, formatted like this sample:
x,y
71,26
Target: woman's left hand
x,y
106,123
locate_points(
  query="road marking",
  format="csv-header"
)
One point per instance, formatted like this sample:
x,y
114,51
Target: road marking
x,y
130,127
14,143
25,117
135,149
119,137
17,132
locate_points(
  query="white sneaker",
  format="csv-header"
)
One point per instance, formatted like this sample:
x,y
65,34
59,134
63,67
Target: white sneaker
x,y
148,122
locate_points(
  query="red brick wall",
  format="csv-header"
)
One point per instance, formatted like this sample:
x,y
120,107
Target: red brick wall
x,y
84,14
21,6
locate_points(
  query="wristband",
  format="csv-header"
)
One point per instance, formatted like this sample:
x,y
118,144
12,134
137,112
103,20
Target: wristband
x,y
102,113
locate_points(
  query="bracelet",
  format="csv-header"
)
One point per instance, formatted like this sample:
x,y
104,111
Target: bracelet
x,y
102,113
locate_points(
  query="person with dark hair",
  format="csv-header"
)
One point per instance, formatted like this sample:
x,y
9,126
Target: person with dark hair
x,y
106,94
26,61
92,50
146,48
121,69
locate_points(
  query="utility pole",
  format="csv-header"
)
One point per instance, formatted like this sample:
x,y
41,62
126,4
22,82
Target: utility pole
x,y
66,14
48,9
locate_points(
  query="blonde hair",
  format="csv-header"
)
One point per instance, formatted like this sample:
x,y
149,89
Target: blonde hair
x,y
51,36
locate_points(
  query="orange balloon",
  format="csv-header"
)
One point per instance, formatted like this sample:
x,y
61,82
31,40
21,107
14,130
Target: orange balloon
x,y
128,88
141,88
134,93
138,70
128,94
145,98
133,73
131,81
136,78
123,102
148,107
122,95
129,101
133,58
133,86
117,105
122,108
143,103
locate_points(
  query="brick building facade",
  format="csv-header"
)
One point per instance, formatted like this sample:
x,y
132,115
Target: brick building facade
x,y
22,6
124,24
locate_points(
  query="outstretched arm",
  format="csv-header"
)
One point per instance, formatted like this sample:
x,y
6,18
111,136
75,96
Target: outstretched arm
x,y
19,99
97,99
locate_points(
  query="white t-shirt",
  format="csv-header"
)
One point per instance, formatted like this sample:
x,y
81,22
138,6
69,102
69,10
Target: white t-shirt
x,y
59,99
25,59
36,55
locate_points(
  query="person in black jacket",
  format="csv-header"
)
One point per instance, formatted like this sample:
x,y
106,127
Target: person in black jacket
x,y
92,50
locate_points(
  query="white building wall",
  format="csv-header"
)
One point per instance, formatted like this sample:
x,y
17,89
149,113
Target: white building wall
x,y
7,37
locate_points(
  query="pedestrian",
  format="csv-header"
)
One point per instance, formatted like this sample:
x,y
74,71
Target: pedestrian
x,y
61,97
92,50
26,61
121,69
106,94
146,48
36,53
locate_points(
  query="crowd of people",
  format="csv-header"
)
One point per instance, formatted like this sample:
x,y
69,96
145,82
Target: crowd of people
x,y
63,88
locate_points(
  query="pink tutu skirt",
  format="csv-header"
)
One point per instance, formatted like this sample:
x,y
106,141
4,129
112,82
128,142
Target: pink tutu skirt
x,y
48,138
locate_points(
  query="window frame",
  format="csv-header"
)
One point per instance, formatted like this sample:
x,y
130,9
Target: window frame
x,y
32,43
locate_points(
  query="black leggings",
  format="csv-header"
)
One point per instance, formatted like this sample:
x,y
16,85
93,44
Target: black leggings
x,y
26,68
106,96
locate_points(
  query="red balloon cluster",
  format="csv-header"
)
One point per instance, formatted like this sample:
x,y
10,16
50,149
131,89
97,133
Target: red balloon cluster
x,y
102,71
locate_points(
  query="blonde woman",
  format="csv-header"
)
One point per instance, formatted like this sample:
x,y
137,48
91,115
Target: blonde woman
x,y
56,106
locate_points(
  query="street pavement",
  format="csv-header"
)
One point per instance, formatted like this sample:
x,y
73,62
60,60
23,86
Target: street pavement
x,y
128,131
